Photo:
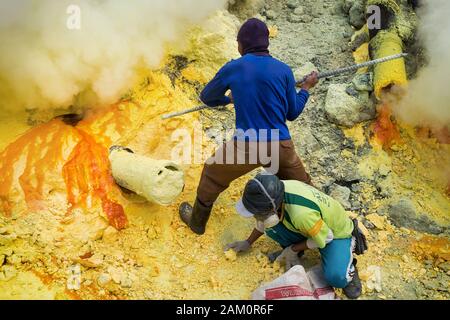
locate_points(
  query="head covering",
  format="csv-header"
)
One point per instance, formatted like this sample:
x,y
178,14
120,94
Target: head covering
x,y
263,194
254,37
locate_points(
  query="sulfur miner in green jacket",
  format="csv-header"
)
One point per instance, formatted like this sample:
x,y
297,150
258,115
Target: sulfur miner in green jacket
x,y
299,218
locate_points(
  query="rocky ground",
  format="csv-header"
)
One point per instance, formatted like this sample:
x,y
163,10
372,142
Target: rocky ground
x,y
397,194
336,144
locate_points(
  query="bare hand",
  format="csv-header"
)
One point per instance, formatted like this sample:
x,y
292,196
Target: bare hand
x,y
311,81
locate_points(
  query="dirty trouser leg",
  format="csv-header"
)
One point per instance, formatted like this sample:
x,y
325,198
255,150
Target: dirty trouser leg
x,y
217,177
337,262
291,166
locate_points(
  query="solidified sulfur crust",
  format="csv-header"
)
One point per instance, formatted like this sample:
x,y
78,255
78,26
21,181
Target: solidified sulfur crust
x,y
391,73
158,181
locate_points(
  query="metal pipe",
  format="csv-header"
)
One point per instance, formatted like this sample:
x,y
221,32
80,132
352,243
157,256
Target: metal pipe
x,y
333,73
322,75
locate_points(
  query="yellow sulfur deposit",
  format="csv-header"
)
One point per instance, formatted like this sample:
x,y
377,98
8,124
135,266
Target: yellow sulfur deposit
x,y
392,73
362,55
68,231
152,254
273,31
231,255
389,41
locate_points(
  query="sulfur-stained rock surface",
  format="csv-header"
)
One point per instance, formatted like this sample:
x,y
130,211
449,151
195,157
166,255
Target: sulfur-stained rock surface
x,y
50,254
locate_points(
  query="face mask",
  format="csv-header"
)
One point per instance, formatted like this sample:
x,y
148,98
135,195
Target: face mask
x,y
271,221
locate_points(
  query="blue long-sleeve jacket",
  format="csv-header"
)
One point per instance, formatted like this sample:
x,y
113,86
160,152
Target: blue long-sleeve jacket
x,y
264,94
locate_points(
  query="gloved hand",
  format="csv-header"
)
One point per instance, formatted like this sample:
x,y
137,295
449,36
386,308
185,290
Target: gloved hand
x,y
238,246
274,255
289,257
360,239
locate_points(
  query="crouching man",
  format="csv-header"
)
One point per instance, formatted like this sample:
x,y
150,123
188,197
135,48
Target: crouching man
x,y
299,217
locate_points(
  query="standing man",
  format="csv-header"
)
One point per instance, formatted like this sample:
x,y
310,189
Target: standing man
x,y
265,97
299,218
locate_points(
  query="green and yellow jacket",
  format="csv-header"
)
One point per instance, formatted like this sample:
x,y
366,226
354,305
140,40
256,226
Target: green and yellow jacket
x,y
314,214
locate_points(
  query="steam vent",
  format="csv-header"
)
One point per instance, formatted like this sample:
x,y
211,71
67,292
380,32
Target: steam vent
x,y
92,176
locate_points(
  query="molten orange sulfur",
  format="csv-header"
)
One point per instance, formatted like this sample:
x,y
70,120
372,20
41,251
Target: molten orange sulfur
x,y
386,132
37,164
432,248
86,172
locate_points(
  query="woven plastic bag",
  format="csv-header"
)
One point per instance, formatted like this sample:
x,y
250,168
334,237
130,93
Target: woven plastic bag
x,y
322,290
296,284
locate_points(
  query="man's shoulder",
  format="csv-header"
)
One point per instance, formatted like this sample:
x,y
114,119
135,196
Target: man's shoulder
x,y
281,65
236,61
233,64
296,187
249,57
301,195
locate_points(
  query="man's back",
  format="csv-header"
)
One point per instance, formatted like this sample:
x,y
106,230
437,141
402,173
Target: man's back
x,y
265,97
263,91
308,207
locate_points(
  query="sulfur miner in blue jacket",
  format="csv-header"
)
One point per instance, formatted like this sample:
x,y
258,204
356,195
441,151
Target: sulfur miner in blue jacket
x,y
265,97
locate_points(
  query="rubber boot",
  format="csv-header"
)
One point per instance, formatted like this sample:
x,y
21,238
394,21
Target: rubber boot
x,y
195,217
354,289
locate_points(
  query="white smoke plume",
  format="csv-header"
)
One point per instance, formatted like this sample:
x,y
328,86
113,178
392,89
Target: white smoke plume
x,y
428,99
51,52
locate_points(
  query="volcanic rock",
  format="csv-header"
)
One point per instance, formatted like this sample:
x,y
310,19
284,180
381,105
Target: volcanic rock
x,y
363,82
357,15
103,279
271,14
292,4
346,110
341,194
404,214
378,221
304,70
